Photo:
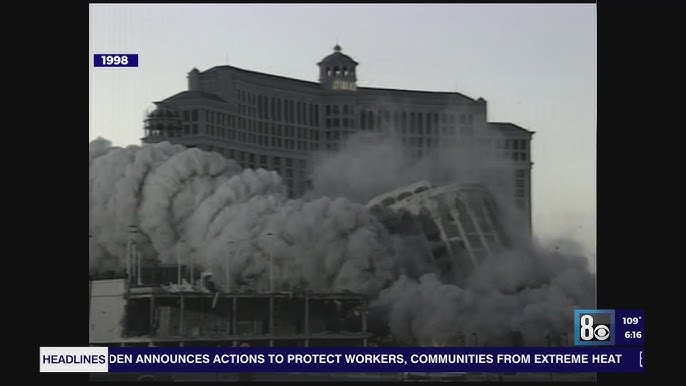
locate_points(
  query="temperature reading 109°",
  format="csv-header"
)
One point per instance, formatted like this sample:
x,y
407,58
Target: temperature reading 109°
x,y
631,320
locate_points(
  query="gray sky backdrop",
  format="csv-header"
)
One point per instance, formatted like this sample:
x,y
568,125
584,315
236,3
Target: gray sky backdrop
x,y
534,64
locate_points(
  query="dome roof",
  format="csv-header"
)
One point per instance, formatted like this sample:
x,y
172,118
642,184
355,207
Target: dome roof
x,y
337,57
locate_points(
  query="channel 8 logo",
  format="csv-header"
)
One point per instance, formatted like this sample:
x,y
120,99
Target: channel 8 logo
x,y
594,327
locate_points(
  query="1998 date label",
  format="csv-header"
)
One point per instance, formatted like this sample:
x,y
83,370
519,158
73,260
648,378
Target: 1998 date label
x,y
115,60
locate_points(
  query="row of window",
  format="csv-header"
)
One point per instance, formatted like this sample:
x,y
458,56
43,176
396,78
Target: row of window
x,y
277,109
307,113
406,123
337,71
300,141
337,109
276,131
520,187
284,166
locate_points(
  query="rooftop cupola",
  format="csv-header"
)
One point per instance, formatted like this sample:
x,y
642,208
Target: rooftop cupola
x,y
337,71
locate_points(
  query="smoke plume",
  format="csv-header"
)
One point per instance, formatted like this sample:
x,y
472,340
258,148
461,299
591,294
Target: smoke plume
x,y
188,202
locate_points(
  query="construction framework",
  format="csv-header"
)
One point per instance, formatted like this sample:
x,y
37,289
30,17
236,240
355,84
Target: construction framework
x,y
153,316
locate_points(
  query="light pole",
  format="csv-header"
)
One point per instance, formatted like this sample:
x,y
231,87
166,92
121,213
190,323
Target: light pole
x,y
228,267
131,254
271,264
178,263
475,339
271,289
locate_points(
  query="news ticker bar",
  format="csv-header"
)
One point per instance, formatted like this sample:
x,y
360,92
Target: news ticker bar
x,y
370,359
607,327
115,60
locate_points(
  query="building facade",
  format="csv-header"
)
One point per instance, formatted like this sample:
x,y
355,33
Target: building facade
x,y
278,123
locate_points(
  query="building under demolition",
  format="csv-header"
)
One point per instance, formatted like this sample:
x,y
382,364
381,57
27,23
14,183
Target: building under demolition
x,y
181,306
460,224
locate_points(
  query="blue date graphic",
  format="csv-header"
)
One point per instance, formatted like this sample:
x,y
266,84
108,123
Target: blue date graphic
x,y
115,60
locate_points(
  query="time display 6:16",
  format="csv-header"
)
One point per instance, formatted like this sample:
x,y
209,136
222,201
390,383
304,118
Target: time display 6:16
x,y
633,334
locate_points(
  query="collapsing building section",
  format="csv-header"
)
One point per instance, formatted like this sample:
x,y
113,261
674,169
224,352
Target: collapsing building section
x,y
459,224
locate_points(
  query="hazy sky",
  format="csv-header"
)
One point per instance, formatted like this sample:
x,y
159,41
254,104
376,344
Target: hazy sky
x,y
534,64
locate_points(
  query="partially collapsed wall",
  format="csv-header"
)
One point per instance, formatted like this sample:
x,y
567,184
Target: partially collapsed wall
x,y
459,223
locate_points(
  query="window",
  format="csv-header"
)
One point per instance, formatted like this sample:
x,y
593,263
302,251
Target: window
x,y
522,144
404,195
195,115
388,201
420,123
